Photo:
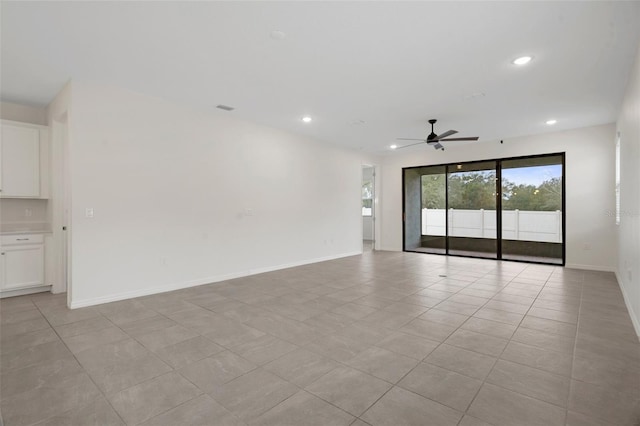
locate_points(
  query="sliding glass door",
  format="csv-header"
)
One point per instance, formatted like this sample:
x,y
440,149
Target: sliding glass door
x,y
532,199
425,213
508,209
433,215
471,209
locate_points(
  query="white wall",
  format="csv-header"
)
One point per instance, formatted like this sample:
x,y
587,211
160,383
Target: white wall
x,y
367,228
628,233
590,179
184,197
24,113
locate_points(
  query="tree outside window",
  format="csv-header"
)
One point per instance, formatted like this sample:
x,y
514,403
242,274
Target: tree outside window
x,y
476,190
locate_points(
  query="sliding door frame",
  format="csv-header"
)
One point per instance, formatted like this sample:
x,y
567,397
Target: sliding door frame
x,y
498,161
499,208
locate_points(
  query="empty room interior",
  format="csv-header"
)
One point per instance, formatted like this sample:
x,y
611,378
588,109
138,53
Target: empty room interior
x,y
320,213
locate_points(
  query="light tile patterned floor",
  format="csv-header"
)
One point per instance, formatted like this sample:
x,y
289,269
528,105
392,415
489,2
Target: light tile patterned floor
x,y
380,339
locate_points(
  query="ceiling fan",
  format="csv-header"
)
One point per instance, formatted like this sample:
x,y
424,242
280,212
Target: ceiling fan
x,y
434,140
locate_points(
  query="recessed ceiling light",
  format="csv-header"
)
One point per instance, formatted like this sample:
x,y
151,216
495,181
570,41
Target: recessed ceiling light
x,y
394,146
307,119
522,60
551,122
278,35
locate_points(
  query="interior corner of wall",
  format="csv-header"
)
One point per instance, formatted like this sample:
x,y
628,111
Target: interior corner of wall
x,y
635,317
60,104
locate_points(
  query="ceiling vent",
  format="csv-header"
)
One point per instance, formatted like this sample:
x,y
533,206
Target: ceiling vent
x,y
225,107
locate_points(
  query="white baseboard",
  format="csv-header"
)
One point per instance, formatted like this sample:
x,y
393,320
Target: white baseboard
x,y
201,281
590,267
24,291
632,314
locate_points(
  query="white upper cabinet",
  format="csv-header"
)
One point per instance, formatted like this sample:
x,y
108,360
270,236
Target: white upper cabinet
x,y
23,161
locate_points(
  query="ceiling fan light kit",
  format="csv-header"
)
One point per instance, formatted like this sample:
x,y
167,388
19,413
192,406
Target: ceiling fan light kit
x,y
434,140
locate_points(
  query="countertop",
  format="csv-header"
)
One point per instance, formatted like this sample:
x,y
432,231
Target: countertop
x,y
24,228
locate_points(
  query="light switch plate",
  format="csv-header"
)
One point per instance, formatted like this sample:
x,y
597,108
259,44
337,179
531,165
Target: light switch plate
x,y
88,212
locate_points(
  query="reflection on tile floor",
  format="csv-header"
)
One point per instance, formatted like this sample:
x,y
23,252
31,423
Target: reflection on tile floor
x,y
385,338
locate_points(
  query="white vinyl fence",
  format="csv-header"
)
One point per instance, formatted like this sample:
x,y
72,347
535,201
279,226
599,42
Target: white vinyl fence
x,y
516,224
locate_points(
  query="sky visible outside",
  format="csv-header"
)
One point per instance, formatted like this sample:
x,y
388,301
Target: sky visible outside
x,y
532,175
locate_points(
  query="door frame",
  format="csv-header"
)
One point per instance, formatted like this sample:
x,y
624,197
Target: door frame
x,y
374,204
61,208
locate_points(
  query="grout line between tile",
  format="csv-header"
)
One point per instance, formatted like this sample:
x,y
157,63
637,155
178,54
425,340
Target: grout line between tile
x,y
81,366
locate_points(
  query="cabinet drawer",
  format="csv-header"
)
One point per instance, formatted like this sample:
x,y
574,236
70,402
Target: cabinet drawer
x,y
6,240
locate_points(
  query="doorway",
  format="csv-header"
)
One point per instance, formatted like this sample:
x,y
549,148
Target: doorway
x,y
508,209
368,208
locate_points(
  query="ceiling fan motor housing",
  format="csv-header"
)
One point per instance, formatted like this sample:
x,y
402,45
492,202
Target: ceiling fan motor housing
x,y
432,135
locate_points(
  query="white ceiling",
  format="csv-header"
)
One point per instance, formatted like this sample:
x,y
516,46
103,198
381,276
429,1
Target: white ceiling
x,y
367,72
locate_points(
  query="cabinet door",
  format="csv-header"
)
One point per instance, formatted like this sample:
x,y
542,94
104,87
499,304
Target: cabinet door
x,y
23,267
20,161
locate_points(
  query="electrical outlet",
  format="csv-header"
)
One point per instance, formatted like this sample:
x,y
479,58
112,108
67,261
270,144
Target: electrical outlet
x,y
28,212
88,212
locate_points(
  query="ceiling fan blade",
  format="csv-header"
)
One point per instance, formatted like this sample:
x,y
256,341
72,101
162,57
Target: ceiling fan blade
x,y
437,145
411,144
474,138
445,134
409,139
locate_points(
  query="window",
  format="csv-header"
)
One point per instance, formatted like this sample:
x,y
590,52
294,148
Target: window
x,y
367,198
618,180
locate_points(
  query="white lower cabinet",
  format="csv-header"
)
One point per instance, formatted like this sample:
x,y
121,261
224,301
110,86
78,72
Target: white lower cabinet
x,y
21,262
